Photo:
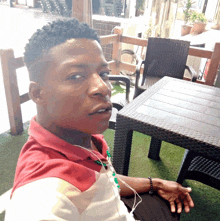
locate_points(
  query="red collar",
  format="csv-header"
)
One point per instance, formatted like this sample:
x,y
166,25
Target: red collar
x,y
72,152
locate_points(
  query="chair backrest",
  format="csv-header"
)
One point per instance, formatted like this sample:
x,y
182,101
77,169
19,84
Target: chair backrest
x,y
9,66
165,57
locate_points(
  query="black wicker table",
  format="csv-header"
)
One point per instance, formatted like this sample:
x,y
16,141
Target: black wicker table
x,y
180,112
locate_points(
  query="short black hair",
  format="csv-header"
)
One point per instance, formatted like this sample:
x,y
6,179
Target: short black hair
x,y
53,34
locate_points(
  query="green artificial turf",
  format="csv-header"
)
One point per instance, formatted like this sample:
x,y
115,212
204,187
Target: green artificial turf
x,y
2,215
117,89
206,199
10,147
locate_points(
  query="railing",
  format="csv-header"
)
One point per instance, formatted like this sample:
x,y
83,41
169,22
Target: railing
x,y
10,64
117,65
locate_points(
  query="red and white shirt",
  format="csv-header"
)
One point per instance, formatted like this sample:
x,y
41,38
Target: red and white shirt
x,y
55,180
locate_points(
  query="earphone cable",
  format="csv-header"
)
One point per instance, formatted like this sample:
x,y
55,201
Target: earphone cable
x,y
105,173
135,192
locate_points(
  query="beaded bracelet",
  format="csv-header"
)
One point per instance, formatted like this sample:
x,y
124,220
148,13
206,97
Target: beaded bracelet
x,y
151,186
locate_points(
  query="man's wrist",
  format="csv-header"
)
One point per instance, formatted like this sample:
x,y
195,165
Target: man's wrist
x,y
157,184
151,191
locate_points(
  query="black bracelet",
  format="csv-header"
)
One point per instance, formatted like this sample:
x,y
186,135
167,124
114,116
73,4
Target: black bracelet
x,y
151,191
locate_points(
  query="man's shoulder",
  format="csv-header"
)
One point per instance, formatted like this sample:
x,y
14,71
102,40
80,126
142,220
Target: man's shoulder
x,y
56,199
36,162
51,197
45,185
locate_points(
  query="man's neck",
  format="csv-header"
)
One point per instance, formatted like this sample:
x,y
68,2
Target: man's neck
x,y
71,136
76,137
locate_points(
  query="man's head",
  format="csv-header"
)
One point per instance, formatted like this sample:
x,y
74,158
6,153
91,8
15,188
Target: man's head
x,y
69,78
37,51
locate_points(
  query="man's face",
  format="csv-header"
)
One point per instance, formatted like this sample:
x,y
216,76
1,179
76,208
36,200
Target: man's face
x,y
77,87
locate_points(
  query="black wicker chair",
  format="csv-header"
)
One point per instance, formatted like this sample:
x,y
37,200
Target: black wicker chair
x,y
199,168
164,57
120,104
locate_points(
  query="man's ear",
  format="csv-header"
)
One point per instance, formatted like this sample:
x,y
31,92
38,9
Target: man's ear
x,y
36,93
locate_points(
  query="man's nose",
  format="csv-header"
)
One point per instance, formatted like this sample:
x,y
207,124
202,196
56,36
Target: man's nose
x,y
98,86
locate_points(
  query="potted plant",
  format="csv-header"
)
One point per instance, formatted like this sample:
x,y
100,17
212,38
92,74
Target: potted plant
x,y
186,28
199,22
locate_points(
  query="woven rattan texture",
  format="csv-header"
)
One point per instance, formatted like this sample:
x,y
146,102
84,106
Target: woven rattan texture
x,y
200,134
205,171
166,57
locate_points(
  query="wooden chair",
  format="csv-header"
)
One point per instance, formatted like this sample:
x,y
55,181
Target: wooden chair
x,y
14,100
9,66
117,106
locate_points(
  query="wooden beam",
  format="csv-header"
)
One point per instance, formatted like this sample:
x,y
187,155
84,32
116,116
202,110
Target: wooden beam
x,y
200,52
82,10
112,64
108,39
213,67
11,91
18,62
132,68
116,51
193,51
129,67
134,41
77,9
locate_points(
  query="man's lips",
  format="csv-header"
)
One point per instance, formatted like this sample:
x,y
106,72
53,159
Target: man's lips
x,y
102,109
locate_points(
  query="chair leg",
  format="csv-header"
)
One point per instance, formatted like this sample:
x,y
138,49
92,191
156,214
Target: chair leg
x,y
186,161
154,150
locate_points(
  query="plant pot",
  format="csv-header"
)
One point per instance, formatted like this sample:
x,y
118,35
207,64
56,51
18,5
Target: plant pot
x,y
185,29
198,28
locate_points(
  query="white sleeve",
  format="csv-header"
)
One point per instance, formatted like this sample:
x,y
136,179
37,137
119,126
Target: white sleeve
x,y
39,206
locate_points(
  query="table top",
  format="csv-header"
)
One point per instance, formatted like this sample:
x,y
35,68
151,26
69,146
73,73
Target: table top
x,y
181,110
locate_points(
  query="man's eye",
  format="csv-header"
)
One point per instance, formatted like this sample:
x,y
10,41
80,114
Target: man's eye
x,y
75,76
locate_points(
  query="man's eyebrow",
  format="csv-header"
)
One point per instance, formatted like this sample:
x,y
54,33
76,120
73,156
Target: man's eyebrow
x,y
83,65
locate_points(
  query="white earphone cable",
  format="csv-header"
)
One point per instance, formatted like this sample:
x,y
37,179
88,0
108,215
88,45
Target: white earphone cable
x,y
135,193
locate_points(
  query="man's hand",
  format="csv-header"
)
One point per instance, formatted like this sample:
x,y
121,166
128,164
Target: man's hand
x,y
175,193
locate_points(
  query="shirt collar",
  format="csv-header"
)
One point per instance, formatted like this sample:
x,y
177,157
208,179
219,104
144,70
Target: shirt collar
x,y
72,152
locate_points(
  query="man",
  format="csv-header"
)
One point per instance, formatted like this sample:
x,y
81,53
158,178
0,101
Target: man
x,y
64,170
